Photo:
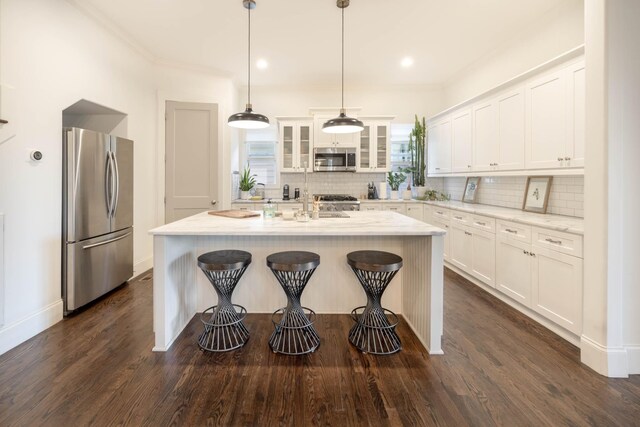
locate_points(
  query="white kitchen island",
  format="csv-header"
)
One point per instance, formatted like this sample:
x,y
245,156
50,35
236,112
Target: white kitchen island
x,y
180,290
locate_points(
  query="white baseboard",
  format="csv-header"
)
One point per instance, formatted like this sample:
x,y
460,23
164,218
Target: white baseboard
x,y
556,329
633,358
612,362
142,266
18,332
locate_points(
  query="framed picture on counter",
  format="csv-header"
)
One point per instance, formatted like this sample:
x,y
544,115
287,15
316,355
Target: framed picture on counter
x,y
471,189
536,194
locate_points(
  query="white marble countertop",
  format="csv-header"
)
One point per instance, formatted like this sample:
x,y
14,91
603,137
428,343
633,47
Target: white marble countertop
x,y
358,224
553,222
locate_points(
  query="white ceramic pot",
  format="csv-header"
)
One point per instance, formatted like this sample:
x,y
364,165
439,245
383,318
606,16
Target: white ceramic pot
x,y
245,195
393,195
406,195
419,191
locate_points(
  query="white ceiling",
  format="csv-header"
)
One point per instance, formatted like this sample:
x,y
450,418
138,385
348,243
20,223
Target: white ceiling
x,y
301,38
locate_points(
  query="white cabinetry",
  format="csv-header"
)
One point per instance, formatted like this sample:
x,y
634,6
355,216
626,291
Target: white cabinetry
x,y
461,141
513,269
485,140
394,207
296,145
461,246
576,115
483,260
370,206
415,211
374,147
439,147
511,129
473,245
323,139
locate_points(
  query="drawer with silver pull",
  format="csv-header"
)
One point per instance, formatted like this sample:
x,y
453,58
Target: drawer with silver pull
x,y
566,243
483,223
514,231
460,217
439,213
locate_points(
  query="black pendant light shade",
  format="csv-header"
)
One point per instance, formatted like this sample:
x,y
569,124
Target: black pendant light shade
x,y
342,123
248,119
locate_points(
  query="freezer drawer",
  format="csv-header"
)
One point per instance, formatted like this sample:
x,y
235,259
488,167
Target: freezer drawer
x,y
95,266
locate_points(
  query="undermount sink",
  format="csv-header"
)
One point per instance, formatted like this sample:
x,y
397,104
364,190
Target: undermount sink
x,y
333,215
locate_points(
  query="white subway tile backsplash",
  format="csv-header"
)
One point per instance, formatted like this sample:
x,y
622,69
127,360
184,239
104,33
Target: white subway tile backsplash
x,y
566,196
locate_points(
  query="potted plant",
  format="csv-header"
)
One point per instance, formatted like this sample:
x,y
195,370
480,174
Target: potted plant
x,y
417,151
395,179
247,182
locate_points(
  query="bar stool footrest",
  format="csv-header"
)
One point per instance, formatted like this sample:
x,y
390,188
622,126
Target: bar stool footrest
x,y
294,333
375,321
225,333
233,320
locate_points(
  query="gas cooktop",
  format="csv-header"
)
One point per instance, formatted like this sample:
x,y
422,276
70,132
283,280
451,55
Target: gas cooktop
x,y
334,198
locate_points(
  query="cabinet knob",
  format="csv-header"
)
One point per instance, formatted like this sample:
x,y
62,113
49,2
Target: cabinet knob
x,y
213,202
560,159
469,166
526,252
567,158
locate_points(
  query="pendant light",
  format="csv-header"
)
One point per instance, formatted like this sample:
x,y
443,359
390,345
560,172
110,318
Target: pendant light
x,y
342,123
248,119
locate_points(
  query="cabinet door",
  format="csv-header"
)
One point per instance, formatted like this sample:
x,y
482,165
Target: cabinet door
x,y
364,164
320,138
287,158
483,259
382,148
427,214
346,139
557,288
513,270
447,237
546,122
415,211
511,130
576,116
442,153
461,247
370,207
433,138
304,146
485,138
461,137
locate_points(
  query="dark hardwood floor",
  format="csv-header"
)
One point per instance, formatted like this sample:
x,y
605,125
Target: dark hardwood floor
x,y
499,368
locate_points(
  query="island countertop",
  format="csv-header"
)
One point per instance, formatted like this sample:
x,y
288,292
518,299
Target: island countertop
x,y
378,223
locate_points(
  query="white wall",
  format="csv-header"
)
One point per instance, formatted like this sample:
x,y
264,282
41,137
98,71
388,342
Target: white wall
x,y
556,32
400,101
52,56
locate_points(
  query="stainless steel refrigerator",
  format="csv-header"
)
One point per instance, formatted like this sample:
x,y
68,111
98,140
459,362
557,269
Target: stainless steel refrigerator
x,y
97,217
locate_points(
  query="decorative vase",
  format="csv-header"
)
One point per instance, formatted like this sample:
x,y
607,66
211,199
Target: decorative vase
x,y
393,195
419,191
245,195
406,195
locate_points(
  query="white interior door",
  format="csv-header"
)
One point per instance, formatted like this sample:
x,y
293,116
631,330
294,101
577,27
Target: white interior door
x,y
191,162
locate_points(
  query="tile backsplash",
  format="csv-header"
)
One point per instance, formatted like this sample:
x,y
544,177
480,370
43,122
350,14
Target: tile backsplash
x,y
354,184
566,196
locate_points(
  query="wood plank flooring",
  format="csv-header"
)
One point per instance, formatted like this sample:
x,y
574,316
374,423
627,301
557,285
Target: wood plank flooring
x,y
499,368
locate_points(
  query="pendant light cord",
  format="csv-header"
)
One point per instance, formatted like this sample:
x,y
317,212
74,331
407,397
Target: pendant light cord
x,y
249,58
343,58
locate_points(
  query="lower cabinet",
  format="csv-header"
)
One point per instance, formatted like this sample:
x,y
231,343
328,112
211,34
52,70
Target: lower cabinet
x,y
556,290
394,207
246,206
461,247
415,211
370,207
513,269
447,237
483,259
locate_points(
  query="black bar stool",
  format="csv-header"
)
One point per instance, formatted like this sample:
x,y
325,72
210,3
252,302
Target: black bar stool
x,y
294,332
374,331
223,327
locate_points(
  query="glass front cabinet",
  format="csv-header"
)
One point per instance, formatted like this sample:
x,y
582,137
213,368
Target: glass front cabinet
x,y
374,143
296,144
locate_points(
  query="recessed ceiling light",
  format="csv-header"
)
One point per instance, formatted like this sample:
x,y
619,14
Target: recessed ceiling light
x,y
262,64
407,62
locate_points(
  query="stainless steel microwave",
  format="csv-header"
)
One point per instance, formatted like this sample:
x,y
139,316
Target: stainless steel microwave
x,y
334,159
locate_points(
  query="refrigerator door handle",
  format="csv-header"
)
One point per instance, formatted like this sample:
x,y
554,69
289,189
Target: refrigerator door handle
x,y
107,185
106,242
117,184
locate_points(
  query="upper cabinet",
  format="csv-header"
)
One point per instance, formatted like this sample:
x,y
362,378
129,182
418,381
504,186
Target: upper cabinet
x,y
296,145
439,147
374,146
461,138
536,122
